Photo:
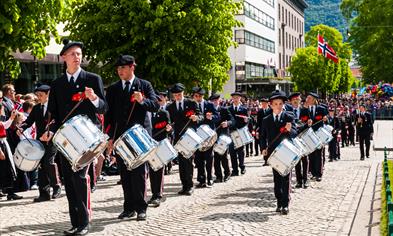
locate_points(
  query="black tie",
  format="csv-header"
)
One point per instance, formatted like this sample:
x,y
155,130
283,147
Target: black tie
x,y
42,110
127,88
180,108
295,111
200,107
235,108
72,81
276,119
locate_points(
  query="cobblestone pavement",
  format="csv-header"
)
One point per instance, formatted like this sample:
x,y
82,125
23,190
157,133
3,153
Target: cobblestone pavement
x,y
245,205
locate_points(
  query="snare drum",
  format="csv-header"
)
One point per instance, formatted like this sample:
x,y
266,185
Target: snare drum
x,y
222,144
325,134
80,141
28,154
208,136
301,146
284,157
311,140
241,137
135,146
163,154
188,143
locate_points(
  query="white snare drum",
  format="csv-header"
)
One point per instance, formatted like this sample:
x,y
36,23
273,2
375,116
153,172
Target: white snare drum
x,y
241,137
28,154
284,157
163,154
135,146
301,146
208,136
325,134
311,140
80,141
222,144
188,143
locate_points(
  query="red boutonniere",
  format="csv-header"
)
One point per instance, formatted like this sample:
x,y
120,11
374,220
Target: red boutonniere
x,y
78,97
190,113
132,99
283,130
318,117
253,133
304,118
160,125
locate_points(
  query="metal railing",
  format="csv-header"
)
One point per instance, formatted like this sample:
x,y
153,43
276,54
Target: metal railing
x,y
389,203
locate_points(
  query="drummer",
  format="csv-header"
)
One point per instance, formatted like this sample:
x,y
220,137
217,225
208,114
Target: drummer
x,y
313,114
204,160
65,92
262,113
185,114
275,127
48,174
334,146
130,101
225,121
240,114
160,120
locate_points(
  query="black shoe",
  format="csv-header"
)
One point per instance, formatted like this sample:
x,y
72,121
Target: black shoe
x,y
362,158
256,154
218,180
189,192
201,185
126,214
305,184
285,211
209,184
234,174
154,202
13,196
93,189
368,157
182,192
70,231
265,164
318,179
82,231
330,160
41,199
118,182
141,216
298,185
247,155
56,192
226,178
243,171
278,209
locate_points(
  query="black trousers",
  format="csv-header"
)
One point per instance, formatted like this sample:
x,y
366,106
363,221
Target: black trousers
x,y
133,183
77,188
281,189
237,158
204,163
92,174
221,160
156,182
333,149
256,146
48,174
316,162
301,170
249,149
186,171
364,140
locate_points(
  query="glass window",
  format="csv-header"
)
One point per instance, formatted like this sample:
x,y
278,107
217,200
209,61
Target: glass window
x,y
258,15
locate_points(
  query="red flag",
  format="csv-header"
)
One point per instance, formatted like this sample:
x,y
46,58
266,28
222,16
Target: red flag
x,y
326,50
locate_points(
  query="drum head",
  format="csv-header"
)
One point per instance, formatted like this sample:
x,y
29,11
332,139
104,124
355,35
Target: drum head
x,y
30,149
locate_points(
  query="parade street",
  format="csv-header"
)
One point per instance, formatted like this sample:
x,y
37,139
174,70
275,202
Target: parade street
x,y
245,205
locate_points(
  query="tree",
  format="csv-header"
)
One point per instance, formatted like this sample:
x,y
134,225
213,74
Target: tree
x,y
311,71
172,40
26,26
371,37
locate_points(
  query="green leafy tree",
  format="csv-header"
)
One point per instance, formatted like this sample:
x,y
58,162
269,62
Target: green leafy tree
x,y
311,71
172,40
372,37
26,25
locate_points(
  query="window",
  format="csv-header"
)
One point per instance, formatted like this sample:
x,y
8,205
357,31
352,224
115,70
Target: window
x,y
254,40
239,36
258,15
286,39
254,70
279,60
279,12
279,37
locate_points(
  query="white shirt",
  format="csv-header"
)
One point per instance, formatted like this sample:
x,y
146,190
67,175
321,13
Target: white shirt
x,y
76,75
45,107
202,106
279,116
131,82
181,103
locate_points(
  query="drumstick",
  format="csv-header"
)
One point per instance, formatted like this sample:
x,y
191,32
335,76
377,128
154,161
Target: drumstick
x,y
20,129
162,130
132,110
188,122
73,109
241,116
48,125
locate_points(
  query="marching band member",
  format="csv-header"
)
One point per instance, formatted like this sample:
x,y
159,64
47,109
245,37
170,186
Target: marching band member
x,y
239,112
48,174
262,113
223,123
160,120
334,147
185,114
365,129
313,113
130,100
277,126
62,99
204,160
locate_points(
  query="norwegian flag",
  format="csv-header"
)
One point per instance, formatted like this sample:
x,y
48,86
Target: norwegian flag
x,y
326,50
